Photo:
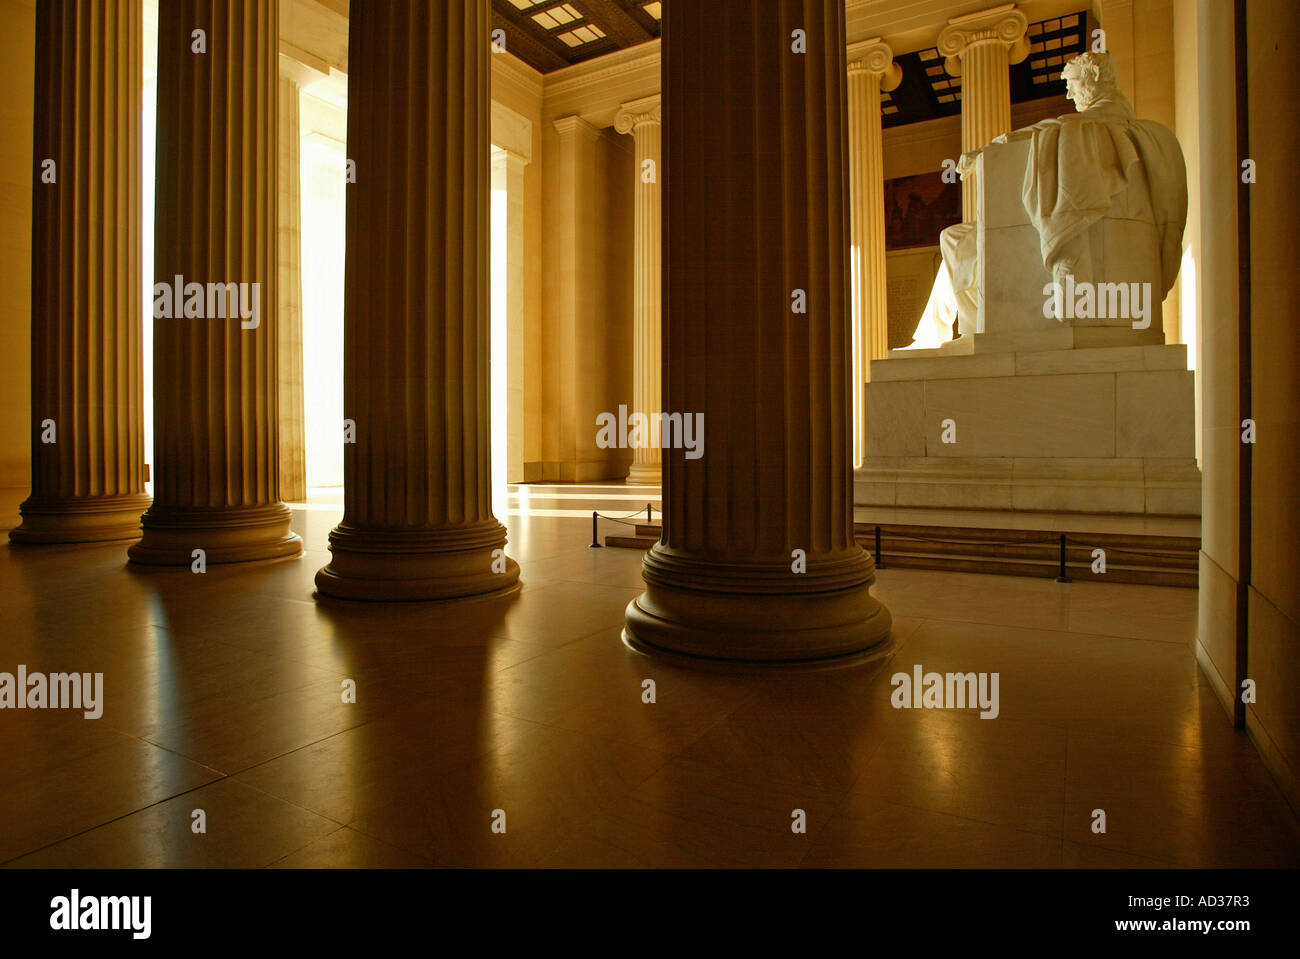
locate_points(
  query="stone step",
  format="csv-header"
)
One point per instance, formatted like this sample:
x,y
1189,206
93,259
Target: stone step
x,y
650,529
631,542
1152,560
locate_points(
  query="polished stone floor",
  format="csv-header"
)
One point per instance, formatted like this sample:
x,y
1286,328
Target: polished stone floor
x,y
223,693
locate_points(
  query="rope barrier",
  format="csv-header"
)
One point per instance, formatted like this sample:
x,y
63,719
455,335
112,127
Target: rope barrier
x,y
1063,541
960,542
617,519
595,535
1078,544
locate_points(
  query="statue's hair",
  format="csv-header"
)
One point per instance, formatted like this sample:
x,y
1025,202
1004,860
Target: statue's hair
x,y
1094,70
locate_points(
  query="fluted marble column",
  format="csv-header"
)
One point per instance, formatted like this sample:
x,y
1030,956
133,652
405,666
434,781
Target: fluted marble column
x,y
215,392
293,448
980,48
87,427
642,118
871,70
758,560
417,520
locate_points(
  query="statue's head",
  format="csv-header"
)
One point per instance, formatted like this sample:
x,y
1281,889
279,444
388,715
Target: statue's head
x,y
1089,77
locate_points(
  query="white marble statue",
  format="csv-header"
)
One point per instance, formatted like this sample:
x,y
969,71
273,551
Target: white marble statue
x,y
1098,162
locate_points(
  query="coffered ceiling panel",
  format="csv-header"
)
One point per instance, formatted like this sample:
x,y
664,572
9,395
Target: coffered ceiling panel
x,y
550,34
928,91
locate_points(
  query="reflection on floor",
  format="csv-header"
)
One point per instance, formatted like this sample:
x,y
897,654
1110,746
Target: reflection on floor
x,y
222,693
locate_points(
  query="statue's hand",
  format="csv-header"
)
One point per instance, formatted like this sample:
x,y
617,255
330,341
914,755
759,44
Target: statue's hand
x,y
966,164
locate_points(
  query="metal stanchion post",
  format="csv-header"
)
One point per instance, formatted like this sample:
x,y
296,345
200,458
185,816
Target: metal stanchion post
x,y
1061,576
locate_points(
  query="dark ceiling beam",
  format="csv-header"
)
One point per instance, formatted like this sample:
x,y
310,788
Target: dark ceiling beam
x,y
594,49
623,28
913,96
636,8
523,40
638,11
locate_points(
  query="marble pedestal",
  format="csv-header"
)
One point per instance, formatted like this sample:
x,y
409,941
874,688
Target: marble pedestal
x,y
1056,420
1088,413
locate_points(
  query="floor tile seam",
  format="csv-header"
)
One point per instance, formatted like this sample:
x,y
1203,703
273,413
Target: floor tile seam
x,y
127,815
242,769
425,860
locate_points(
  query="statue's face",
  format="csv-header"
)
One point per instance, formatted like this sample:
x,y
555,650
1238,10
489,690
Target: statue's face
x,y
1079,92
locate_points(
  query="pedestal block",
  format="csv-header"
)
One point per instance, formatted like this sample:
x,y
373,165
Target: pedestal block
x,y
1108,429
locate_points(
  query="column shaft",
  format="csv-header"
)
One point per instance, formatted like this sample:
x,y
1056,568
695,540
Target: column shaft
x,y
293,450
418,520
980,48
579,320
87,429
643,120
215,345
871,69
986,94
758,560
985,107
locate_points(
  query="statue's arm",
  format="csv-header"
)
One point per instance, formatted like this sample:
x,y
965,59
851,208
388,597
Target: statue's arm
x,y
967,162
1024,133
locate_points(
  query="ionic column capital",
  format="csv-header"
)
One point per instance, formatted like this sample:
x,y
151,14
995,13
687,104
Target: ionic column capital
x,y
637,112
875,56
1004,24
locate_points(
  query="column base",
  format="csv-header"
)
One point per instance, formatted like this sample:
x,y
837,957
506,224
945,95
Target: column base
x,y
239,534
80,519
645,474
413,565
758,613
